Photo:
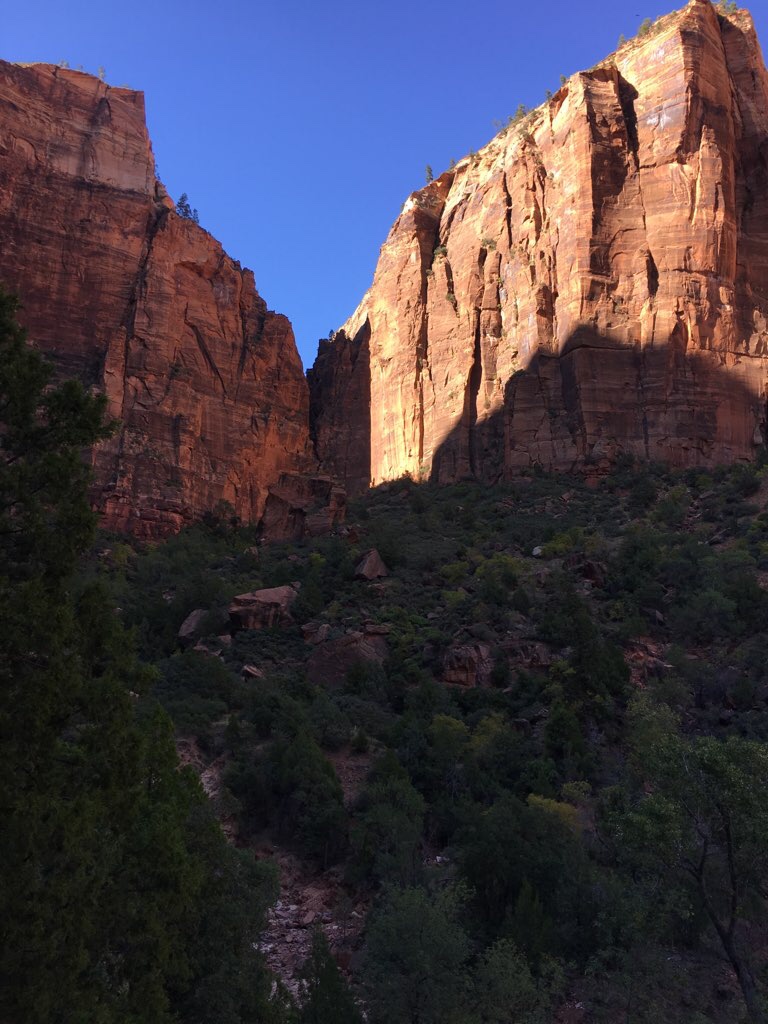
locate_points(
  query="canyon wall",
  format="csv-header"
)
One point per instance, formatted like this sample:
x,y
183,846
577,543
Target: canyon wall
x,y
594,281
145,305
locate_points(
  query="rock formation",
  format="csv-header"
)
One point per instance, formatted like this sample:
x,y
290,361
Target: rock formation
x,y
145,305
263,609
594,281
371,566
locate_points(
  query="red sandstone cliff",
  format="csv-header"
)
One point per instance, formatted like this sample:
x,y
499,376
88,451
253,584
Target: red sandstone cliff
x,y
145,305
594,280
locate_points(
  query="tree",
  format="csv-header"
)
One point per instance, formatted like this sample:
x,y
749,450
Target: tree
x,y
325,995
310,800
387,833
186,211
415,958
428,173
700,823
505,990
105,889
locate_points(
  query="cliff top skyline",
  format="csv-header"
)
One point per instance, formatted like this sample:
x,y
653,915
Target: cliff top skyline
x,y
298,133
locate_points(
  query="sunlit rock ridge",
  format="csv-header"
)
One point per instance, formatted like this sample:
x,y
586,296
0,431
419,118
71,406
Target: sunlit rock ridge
x,y
594,281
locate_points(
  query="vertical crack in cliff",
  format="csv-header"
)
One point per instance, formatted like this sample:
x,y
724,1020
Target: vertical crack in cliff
x,y
473,390
652,274
102,115
508,209
205,351
422,340
449,282
627,96
247,344
640,377
156,220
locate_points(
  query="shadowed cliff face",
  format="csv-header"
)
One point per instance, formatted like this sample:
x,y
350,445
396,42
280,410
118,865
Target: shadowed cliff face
x,y
686,409
594,281
140,303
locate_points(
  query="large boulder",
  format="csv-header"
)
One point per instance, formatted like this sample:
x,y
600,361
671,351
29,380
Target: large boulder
x,y
468,664
330,661
261,609
300,506
371,566
193,627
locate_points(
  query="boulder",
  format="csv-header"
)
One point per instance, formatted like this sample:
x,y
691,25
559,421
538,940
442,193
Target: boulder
x,y
468,664
330,662
371,566
262,609
192,628
251,672
315,632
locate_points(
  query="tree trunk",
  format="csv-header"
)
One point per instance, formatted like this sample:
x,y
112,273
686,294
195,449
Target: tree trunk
x,y
746,981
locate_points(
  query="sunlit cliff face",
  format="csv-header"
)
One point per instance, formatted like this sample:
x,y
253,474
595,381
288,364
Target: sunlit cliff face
x,y
144,305
594,280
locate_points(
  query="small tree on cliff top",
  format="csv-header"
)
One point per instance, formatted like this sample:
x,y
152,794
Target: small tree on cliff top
x,y
185,210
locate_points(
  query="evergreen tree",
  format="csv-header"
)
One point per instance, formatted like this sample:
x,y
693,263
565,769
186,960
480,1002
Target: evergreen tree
x,y
185,210
391,817
107,892
326,998
416,957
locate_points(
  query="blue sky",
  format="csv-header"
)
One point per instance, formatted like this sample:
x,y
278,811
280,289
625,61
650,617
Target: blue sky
x,y
298,129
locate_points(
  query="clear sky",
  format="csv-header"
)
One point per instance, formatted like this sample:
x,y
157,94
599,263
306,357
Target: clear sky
x,y
298,129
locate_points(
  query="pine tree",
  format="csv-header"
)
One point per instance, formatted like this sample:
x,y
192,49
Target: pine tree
x,y
326,998
185,210
107,894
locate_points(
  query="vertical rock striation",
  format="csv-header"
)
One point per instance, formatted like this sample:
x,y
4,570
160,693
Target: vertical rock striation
x,y
594,281
146,306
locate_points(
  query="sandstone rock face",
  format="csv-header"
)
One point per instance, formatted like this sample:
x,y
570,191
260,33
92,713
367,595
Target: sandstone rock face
x,y
594,281
144,305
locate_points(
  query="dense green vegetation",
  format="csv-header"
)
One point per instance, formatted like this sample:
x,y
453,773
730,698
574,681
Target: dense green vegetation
x,y
585,821
120,899
566,829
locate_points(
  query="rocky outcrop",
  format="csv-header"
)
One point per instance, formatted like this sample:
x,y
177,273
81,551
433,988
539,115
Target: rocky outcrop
x,y
263,609
593,281
333,659
144,305
468,664
303,506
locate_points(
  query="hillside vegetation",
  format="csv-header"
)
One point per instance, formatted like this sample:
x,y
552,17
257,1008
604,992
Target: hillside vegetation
x,y
562,795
